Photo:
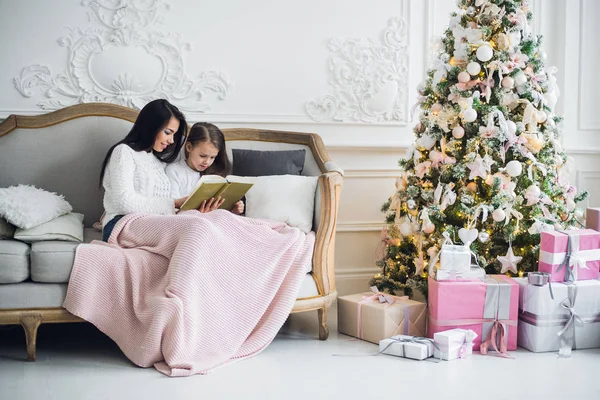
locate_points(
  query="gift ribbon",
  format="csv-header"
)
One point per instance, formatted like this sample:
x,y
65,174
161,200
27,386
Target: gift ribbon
x,y
383,298
464,344
567,341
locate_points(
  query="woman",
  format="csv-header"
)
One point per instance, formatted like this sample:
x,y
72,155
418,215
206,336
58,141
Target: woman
x,y
133,172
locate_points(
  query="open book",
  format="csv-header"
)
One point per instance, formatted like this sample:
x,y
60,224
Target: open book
x,y
215,186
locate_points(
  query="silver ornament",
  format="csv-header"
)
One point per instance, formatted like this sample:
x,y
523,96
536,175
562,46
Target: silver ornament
x,y
483,236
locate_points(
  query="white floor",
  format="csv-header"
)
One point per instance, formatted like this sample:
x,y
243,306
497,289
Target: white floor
x,y
75,361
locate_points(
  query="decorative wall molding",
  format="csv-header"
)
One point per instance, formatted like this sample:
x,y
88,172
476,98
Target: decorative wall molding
x,y
585,80
584,181
126,39
369,80
371,173
361,226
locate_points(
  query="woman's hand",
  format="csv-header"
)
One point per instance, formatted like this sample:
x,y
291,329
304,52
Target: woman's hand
x,y
211,204
179,202
238,208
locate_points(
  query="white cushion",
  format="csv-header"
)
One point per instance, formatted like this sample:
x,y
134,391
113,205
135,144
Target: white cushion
x,y
26,206
283,198
68,227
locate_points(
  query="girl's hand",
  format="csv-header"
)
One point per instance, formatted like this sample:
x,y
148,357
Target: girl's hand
x,y
211,204
179,202
238,208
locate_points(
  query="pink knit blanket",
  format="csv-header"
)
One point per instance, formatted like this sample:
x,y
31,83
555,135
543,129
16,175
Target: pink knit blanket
x,y
188,293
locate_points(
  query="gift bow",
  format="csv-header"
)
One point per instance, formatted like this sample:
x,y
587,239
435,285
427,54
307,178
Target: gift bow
x,y
414,339
467,343
567,341
572,259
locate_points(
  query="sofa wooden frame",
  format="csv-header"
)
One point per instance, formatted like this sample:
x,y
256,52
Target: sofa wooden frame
x,y
330,184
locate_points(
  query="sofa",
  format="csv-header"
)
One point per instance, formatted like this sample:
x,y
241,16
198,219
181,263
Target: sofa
x,y
62,152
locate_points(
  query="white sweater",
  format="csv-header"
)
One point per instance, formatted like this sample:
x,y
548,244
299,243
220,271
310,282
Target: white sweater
x,y
183,179
135,182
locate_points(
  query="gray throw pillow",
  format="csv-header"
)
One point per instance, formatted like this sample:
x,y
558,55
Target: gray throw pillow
x,y
7,230
262,163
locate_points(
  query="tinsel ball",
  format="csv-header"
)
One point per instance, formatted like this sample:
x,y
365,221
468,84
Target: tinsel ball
x,y
512,127
464,77
473,68
458,132
469,115
498,215
514,168
508,82
520,79
485,53
436,108
483,236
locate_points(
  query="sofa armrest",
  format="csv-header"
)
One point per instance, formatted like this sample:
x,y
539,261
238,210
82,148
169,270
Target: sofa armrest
x,y
330,185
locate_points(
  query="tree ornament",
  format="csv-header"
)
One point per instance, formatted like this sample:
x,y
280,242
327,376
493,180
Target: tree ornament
x,y
411,204
483,236
498,215
540,116
514,168
458,132
473,68
406,228
467,236
511,127
532,194
428,228
425,142
508,82
509,261
469,115
520,79
472,187
464,77
485,53
421,88
436,108
571,205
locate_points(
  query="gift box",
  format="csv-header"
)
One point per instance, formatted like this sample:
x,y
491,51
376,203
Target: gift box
x,y
592,218
455,258
474,273
570,255
416,348
365,317
485,307
574,312
454,343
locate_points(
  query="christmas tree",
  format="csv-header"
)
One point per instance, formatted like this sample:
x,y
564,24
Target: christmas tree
x,y
487,168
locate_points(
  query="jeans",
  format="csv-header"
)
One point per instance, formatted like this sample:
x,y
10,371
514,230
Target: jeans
x,y
108,228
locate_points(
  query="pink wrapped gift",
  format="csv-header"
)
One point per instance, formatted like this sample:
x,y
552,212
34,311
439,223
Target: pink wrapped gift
x,y
485,307
568,262
592,218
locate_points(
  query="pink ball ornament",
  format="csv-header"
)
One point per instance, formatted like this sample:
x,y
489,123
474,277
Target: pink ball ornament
x,y
508,82
498,215
464,77
473,68
428,228
458,132
436,108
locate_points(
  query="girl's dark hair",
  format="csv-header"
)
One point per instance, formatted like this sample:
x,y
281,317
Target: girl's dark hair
x,y
205,132
150,121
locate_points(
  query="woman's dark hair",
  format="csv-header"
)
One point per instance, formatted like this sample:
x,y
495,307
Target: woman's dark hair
x,y
150,121
205,132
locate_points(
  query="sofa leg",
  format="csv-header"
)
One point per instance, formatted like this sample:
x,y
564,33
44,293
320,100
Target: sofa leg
x,y
323,329
30,324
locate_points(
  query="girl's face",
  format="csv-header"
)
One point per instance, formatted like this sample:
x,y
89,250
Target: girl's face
x,y
201,156
165,136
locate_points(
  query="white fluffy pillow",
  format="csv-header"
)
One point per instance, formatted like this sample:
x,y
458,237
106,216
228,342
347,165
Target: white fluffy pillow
x,y
284,198
68,227
26,206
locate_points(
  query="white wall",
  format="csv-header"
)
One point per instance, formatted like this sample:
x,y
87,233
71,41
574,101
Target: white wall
x,y
271,64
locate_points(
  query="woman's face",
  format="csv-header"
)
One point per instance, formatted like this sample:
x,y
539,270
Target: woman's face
x,y
165,136
201,156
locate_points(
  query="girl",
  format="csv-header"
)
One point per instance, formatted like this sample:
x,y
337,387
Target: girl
x,y
133,172
205,153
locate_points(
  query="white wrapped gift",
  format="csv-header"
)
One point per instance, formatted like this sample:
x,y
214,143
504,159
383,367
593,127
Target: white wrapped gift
x,y
455,257
570,320
454,343
475,272
417,348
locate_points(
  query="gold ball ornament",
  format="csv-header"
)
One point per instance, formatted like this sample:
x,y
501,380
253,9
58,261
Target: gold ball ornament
x,y
472,187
